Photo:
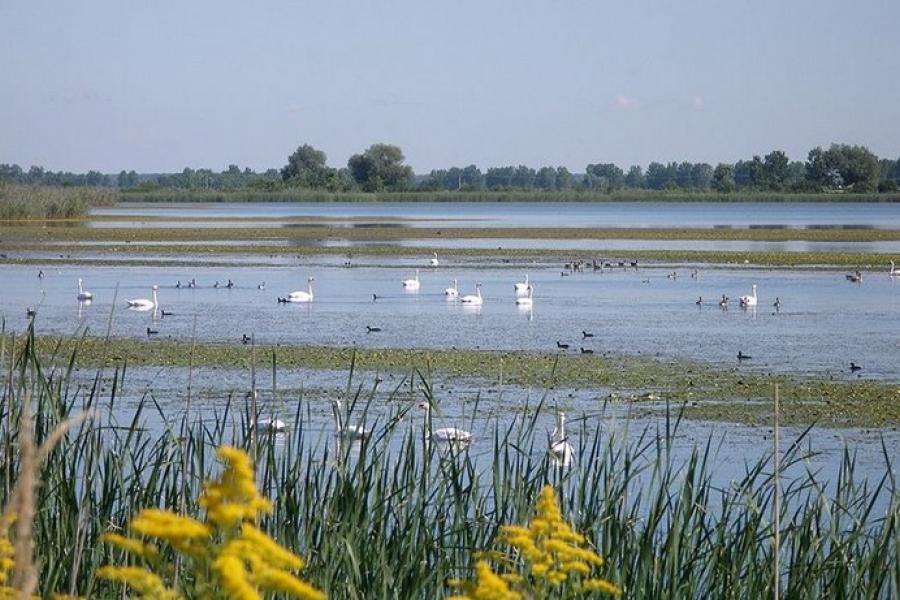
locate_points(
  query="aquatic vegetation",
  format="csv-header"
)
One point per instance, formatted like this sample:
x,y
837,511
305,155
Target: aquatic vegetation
x,y
396,517
225,556
708,392
29,203
548,560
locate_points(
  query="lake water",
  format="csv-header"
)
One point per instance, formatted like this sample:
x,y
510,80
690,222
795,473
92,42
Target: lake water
x,y
562,214
824,321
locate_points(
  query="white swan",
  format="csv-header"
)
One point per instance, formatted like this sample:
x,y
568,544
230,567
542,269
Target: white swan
x,y
528,299
300,295
749,300
894,272
473,298
444,435
434,261
350,432
452,291
271,424
522,287
560,448
86,296
412,284
143,303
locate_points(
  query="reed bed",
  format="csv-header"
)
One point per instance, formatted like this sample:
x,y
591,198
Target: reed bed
x,y
29,203
396,516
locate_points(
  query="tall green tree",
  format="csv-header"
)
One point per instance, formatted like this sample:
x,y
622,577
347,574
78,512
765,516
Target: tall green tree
x,y
381,167
723,178
306,167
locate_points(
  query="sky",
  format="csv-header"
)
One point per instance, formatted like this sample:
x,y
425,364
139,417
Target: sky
x,y
158,86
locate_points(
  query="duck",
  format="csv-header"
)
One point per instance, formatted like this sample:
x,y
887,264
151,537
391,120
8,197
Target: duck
x,y
741,356
854,367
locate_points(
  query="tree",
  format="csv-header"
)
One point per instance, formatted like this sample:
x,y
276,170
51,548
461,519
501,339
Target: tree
x,y
564,179
380,167
604,176
843,166
545,178
635,177
306,167
723,178
776,170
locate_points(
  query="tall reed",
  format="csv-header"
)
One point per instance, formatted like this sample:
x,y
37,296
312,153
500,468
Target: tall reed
x,y
396,516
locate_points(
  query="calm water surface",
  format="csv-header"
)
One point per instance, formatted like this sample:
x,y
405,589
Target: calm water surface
x,y
561,214
824,322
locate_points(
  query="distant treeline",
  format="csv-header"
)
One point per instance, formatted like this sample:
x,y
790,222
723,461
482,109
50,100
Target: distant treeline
x,y
381,169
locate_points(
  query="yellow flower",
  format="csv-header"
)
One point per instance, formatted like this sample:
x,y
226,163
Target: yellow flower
x,y
245,561
552,554
142,581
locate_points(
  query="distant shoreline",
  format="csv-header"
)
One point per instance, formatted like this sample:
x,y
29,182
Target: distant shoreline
x,y
319,196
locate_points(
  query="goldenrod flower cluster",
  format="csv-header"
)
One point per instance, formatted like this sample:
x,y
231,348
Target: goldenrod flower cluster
x,y
7,557
229,556
550,555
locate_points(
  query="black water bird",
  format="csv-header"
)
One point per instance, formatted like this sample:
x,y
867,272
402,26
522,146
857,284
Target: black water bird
x,y
854,367
41,274
230,284
777,303
741,356
372,329
216,285
699,301
282,300
261,286
246,339
30,312
178,285
562,346
586,334
587,351
167,313
374,297
152,332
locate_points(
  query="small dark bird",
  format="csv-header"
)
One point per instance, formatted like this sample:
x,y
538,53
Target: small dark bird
x,y
216,285
673,275
374,297
282,300
562,346
178,285
41,274
563,274
167,313
777,303
372,329
854,367
585,334
261,286
699,301
587,351
741,356
246,339
192,283
230,284
30,312
152,332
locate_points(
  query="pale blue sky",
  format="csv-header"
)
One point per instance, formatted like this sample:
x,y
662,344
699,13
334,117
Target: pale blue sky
x,y
159,85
